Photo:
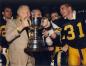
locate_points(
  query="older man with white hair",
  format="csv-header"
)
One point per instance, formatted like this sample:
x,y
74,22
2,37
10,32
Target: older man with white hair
x,y
18,39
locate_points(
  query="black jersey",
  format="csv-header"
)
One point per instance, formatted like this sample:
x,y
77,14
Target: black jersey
x,y
73,31
3,41
2,26
2,60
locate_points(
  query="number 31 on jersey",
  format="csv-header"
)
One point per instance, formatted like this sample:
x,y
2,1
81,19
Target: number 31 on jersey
x,y
72,33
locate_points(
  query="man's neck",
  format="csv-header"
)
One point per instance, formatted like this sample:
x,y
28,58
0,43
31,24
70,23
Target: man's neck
x,y
72,15
7,18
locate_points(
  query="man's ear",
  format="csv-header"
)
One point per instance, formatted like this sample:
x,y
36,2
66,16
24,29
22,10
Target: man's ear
x,y
69,8
2,13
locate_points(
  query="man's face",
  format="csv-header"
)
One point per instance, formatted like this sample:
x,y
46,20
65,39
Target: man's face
x,y
64,10
36,13
54,16
7,13
24,12
45,22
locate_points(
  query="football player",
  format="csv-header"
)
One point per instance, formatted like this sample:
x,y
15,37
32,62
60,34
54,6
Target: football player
x,y
73,33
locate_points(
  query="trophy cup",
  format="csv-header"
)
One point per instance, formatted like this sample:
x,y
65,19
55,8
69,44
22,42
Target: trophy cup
x,y
36,42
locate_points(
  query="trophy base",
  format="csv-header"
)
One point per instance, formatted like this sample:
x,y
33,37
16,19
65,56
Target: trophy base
x,y
35,50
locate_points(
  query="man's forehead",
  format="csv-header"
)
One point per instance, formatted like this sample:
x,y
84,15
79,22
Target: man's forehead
x,y
37,11
23,8
54,14
7,9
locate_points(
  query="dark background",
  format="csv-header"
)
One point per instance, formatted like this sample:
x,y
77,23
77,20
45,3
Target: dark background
x,y
44,5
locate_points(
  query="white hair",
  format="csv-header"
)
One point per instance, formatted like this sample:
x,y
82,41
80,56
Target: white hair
x,y
22,7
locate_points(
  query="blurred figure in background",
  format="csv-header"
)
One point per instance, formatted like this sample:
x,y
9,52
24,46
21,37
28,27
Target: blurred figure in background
x,y
3,60
54,16
47,14
2,56
49,36
18,39
36,13
59,50
45,55
7,13
6,16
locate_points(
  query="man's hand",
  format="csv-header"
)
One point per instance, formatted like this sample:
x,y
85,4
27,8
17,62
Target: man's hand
x,y
22,25
25,23
53,36
45,33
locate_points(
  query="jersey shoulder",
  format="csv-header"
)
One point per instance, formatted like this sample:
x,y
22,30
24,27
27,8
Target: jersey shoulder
x,y
59,22
81,15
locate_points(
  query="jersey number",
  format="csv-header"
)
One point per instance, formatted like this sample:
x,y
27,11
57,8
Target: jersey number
x,y
71,34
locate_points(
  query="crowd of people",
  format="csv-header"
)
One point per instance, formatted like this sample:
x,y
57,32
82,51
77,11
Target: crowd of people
x,y
64,35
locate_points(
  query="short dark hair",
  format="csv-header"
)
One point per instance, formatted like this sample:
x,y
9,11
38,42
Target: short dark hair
x,y
67,5
5,8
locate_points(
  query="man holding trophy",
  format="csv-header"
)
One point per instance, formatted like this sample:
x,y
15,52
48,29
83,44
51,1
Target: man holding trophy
x,y
17,37
23,33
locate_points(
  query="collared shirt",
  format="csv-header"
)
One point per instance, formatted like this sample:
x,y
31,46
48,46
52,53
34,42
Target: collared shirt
x,y
7,19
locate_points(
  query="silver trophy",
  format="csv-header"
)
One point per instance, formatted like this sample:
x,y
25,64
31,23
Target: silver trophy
x,y
36,40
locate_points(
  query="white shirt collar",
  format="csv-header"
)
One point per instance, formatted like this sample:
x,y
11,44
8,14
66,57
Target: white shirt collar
x,y
74,15
7,19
